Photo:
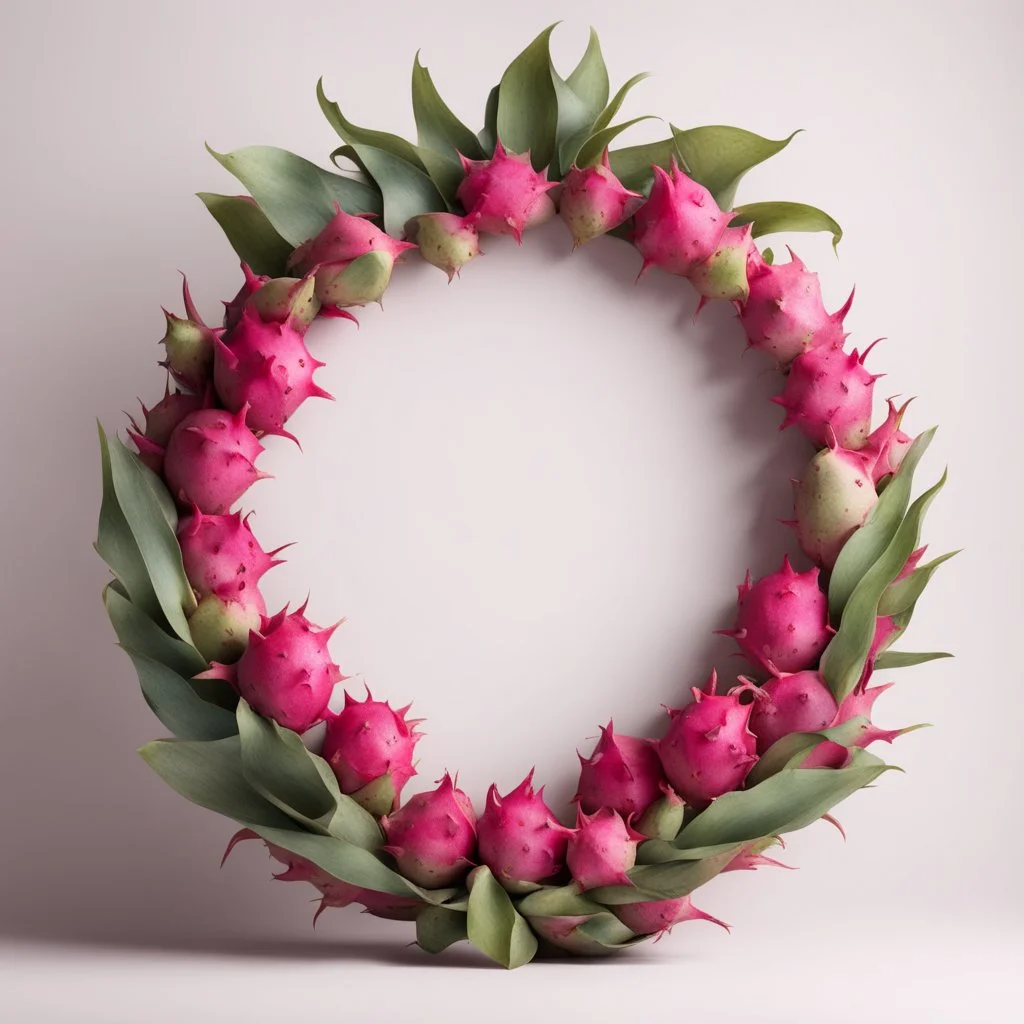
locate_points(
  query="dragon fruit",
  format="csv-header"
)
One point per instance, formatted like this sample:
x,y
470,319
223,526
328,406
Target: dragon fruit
x,y
680,225
623,773
520,839
708,749
251,284
286,300
659,916
664,818
369,747
286,672
433,837
784,314
189,345
829,389
782,620
833,498
593,201
210,459
445,240
791,702
505,195
860,704
723,275
160,421
220,626
266,367
601,850
887,445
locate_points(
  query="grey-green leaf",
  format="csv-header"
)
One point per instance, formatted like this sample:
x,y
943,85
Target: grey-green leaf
x,y
557,901
632,166
250,233
592,150
438,129
437,928
527,115
406,189
488,135
493,924
769,218
668,880
604,119
907,659
589,79
902,595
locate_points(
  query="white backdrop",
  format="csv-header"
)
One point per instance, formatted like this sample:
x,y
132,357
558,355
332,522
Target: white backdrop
x,y
532,498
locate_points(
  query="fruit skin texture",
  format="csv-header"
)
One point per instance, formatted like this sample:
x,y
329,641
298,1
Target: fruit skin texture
x,y
860,704
887,446
251,284
188,343
505,195
784,315
660,916
210,459
723,275
680,225
160,421
286,672
593,201
433,836
368,740
791,702
782,620
708,749
520,839
623,773
445,240
221,626
601,850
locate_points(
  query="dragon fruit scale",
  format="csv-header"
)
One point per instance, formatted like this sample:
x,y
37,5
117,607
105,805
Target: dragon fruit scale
x,y
791,702
251,284
593,201
723,275
602,849
660,916
445,240
188,344
887,445
160,421
623,773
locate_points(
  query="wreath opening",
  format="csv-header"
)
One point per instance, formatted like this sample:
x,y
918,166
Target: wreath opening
x,y
246,691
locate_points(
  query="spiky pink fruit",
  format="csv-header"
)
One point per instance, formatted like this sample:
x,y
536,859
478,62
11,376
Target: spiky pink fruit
x,y
210,460
286,300
623,773
602,849
286,672
784,314
159,423
791,702
593,201
266,367
782,619
833,498
659,916
220,554
188,344
505,195
680,225
520,839
433,837
446,240
368,740
829,389
750,861
887,445
708,749
220,626
723,275
251,284
860,703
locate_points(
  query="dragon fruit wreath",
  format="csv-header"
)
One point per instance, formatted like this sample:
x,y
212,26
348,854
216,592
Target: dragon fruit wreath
x,y
240,689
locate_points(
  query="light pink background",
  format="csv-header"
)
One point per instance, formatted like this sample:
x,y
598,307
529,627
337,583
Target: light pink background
x,y
532,499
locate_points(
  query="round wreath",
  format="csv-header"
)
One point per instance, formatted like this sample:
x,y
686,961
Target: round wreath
x,y
735,769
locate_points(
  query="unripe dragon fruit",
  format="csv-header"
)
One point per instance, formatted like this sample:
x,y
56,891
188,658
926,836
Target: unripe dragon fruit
x,y
593,201
602,849
160,421
829,389
664,818
680,225
286,672
708,749
887,445
723,275
369,743
251,284
658,916
784,314
266,367
210,460
520,839
623,773
220,626
433,837
286,300
189,346
791,702
834,497
505,195
782,620
445,240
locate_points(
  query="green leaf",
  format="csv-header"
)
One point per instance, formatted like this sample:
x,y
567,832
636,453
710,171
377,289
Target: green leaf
x,y
790,751
667,881
718,156
493,925
580,98
437,928
445,173
902,595
906,659
592,150
488,135
608,931
557,901
604,119
438,129
632,166
589,79
868,544
297,196
660,851
769,218
406,189
527,115
250,233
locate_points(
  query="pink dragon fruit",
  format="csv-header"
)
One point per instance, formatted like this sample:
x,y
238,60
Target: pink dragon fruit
x,y
708,749
723,275
829,389
189,345
160,421
791,702
445,240
221,626
659,916
286,300
505,195
369,747
286,672
251,284
221,556
784,314
623,773
782,620
680,226
602,849
887,445
860,704
210,459
593,201
266,367
520,839
834,497
433,837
